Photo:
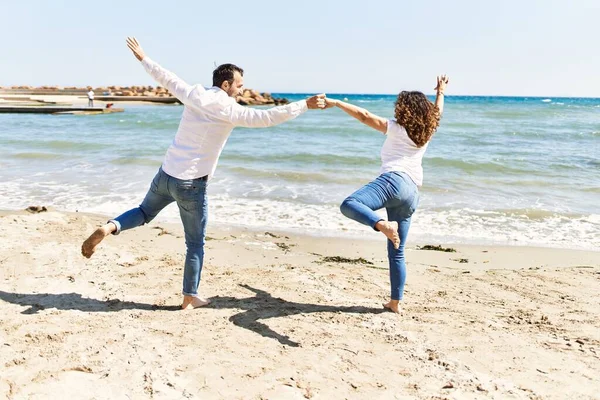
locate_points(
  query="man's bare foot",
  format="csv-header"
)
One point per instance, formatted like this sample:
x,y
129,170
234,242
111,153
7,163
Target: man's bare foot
x,y
89,246
193,302
390,230
393,306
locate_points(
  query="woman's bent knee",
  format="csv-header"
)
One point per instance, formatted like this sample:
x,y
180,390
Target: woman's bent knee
x,y
346,207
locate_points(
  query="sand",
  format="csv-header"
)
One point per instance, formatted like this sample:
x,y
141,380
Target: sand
x,y
286,322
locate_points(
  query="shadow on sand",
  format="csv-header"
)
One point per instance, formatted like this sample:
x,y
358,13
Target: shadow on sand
x,y
261,306
74,301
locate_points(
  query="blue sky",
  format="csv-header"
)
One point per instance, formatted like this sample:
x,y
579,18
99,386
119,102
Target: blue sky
x,y
525,47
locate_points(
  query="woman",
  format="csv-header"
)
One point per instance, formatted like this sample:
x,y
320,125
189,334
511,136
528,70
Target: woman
x,y
396,189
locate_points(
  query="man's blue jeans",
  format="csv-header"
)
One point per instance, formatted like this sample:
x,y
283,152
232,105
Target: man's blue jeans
x,y
400,196
190,196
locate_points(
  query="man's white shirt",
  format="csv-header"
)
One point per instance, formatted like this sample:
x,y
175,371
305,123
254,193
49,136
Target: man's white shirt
x,y
209,116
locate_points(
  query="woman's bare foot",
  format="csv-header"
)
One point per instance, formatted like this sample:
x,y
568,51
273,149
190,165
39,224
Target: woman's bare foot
x,y
193,302
393,306
89,246
390,230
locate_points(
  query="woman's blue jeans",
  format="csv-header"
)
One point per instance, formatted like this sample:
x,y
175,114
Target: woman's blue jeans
x,y
400,196
191,199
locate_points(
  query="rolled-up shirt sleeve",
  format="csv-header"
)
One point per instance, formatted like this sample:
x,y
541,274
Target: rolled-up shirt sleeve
x,y
252,118
174,84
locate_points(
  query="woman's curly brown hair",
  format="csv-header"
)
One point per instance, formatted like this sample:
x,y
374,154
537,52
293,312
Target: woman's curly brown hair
x,y
419,116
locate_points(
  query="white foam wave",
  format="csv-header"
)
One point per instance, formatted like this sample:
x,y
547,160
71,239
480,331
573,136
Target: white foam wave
x,y
459,225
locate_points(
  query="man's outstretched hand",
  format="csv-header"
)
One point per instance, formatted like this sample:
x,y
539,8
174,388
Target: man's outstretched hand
x,y
317,101
135,47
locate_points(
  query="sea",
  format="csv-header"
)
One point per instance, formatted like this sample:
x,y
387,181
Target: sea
x,y
521,171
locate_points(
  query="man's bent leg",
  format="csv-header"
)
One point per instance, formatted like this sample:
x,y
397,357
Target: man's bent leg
x,y
156,199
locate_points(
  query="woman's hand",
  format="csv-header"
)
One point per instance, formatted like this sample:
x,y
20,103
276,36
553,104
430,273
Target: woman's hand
x,y
442,81
329,103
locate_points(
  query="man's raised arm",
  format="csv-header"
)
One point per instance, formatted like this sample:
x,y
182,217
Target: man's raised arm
x,y
174,84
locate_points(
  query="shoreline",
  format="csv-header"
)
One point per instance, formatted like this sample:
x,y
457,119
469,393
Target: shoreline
x,y
452,253
368,236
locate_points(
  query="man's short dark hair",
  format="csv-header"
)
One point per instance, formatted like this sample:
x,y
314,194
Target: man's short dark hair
x,y
225,72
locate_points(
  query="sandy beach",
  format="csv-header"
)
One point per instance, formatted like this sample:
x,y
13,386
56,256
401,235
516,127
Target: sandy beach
x,y
292,317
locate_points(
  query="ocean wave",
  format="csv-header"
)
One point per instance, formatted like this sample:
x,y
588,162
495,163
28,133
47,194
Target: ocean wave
x,y
592,189
533,227
308,134
151,124
369,100
461,124
150,162
334,177
302,158
472,166
57,144
40,156
507,114
516,226
460,225
537,214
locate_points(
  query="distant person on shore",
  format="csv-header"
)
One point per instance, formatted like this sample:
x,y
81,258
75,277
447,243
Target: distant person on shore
x,y
209,116
397,187
90,95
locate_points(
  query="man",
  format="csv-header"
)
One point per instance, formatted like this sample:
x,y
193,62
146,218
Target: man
x,y
90,95
208,118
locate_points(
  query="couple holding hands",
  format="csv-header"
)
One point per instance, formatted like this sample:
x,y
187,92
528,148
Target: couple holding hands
x,y
210,115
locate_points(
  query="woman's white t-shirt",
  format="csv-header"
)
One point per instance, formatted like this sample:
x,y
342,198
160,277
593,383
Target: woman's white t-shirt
x,y
400,154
